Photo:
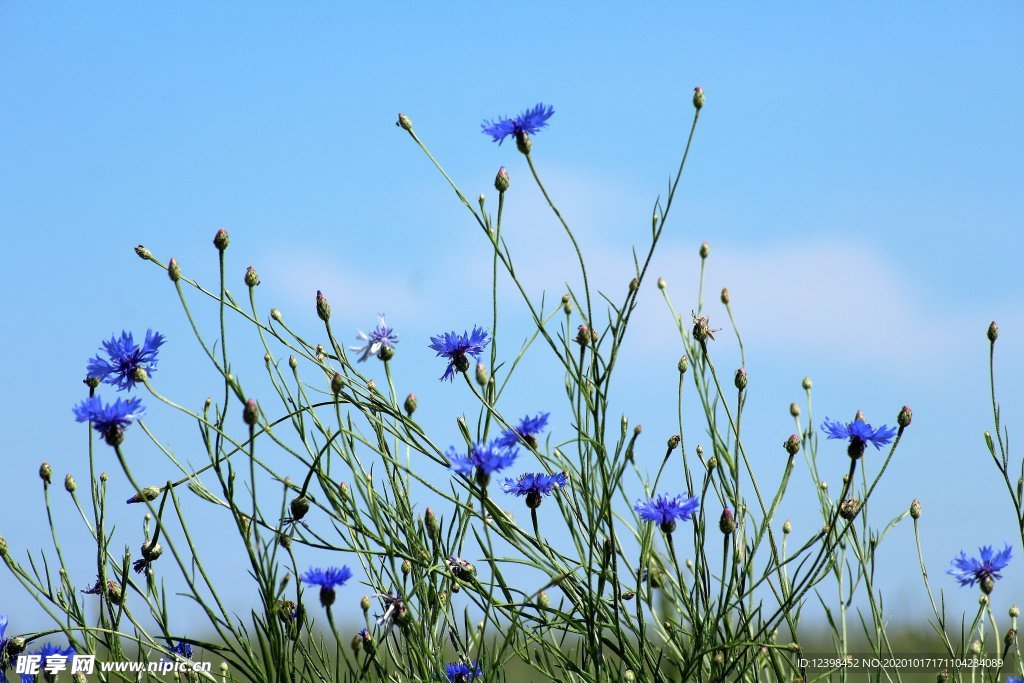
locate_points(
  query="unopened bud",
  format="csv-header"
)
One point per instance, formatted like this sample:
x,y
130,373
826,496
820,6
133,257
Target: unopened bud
x,y
726,523
337,383
634,284
993,331
543,600
403,122
284,540
905,416
275,314
794,410
323,309
299,507
698,98
147,494
583,335
1014,611
987,585
364,603
741,379
705,249
3,547
725,295
1010,638
661,283
673,442
69,484
787,527
173,270
430,520
628,676
143,253
915,509
221,240
406,567
251,278
806,384
91,382
683,364
46,473
151,551
975,647
251,412
792,444
501,181
481,374
410,404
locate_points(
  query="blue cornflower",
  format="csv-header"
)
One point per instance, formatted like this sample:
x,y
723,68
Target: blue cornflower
x,y
46,651
460,672
665,510
380,342
528,428
124,358
109,419
484,458
455,347
527,123
327,579
535,486
968,570
364,633
860,433
184,649
3,648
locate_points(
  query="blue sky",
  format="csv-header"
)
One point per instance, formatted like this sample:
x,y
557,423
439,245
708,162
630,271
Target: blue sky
x,y
856,171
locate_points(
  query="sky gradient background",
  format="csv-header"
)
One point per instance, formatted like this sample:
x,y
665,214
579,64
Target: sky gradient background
x,y
856,170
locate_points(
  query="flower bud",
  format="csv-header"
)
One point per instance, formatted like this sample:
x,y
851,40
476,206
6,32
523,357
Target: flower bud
x,y
364,603
501,181
221,240
406,567
698,98
725,295
251,278
583,335
337,383
323,309
299,507
975,647
683,364
46,473
430,520
661,283
787,527
993,331
673,442
792,444
481,375
3,547
637,430
251,412
410,404
726,523
91,382
905,416
275,314
987,585
403,122
1014,611
357,644
741,379
543,600
915,509
628,676
143,253
705,249
386,353
806,384
69,484
284,540
712,462
147,494
634,284
173,270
